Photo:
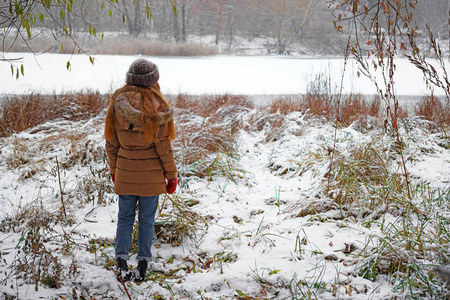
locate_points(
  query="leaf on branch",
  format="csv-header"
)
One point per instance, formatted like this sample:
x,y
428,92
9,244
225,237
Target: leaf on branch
x,y
26,25
70,5
412,5
62,14
47,3
91,59
175,11
366,10
19,9
12,70
355,7
41,17
123,18
22,69
148,11
68,66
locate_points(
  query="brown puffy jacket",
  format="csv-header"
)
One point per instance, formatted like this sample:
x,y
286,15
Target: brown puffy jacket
x,y
140,167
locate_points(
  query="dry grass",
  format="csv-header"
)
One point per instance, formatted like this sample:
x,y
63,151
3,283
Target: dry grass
x,y
34,262
207,125
111,45
209,105
284,105
124,45
356,108
352,109
433,109
319,106
18,113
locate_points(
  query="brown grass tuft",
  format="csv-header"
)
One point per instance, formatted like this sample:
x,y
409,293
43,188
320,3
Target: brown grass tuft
x,y
433,109
356,108
18,113
209,105
285,105
318,105
352,108
206,129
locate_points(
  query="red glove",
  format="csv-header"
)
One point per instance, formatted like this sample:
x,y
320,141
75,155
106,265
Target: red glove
x,y
171,185
113,178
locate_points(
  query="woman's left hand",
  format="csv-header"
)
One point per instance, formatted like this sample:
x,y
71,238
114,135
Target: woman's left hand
x,y
171,185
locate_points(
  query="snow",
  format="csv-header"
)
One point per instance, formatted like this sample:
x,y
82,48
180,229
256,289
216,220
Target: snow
x,y
248,75
270,248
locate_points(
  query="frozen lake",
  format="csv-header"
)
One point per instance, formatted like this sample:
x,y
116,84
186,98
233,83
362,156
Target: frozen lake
x,y
255,75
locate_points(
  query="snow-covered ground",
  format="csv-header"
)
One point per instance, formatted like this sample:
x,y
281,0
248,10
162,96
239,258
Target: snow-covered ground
x,y
255,243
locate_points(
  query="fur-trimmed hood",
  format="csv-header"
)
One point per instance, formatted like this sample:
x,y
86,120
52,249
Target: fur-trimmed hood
x,y
128,103
126,110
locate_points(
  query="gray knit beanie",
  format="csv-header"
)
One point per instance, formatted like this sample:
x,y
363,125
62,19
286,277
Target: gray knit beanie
x,y
142,73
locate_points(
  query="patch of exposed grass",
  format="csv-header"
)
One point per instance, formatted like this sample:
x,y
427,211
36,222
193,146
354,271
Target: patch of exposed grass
x,y
176,221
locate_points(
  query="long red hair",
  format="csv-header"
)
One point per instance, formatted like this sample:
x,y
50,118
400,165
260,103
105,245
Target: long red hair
x,y
149,112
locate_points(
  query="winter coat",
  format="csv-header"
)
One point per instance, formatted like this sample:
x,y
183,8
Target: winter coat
x,y
140,167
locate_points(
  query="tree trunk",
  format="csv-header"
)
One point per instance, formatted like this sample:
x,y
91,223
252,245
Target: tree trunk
x,y
137,18
280,29
128,19
183,21
176,27
219,23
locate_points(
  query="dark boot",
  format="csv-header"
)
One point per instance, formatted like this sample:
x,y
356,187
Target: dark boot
x,y
141,271
123,272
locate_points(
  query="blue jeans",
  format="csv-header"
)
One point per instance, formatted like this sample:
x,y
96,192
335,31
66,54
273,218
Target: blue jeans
x,y
147,211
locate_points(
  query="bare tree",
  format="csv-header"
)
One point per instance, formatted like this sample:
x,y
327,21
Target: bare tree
x,y
133,16
20,19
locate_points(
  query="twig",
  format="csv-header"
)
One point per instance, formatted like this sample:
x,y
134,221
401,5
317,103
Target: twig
x,y
125,287
337,114
60,189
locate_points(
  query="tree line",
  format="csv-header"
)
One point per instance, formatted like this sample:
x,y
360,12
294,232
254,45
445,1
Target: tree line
x,y
286,25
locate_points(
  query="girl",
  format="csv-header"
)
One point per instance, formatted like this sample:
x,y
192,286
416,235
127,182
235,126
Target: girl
x,y
138,130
